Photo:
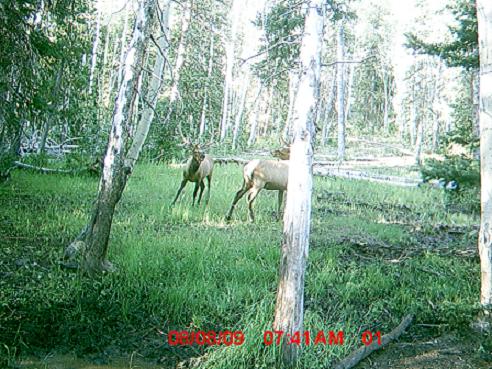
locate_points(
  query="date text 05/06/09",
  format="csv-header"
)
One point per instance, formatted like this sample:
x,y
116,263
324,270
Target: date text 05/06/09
x,y
275,337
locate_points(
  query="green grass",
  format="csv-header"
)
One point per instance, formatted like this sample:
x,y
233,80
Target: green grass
x,y
377,253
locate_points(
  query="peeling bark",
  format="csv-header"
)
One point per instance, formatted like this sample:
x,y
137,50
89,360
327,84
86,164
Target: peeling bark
x,y
289,309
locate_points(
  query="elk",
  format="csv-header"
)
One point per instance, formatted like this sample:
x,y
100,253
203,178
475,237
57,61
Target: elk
x,y
198,167
263,174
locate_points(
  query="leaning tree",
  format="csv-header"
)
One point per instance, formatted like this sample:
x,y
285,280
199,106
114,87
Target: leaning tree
x,y
124,145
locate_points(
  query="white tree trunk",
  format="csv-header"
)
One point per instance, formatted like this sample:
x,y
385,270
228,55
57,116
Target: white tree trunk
x,y
289,308
155,85
203,122
229,51
239,115
95,236
484,12
123,46
254,115
328,111
94,50
340,92
293,88
180,54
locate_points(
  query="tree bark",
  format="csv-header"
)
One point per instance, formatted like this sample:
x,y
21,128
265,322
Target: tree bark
x,y
115,172
203,122
328,112
94,50
484,13
239,115
254,117
289,308
180,55
340,92
229,51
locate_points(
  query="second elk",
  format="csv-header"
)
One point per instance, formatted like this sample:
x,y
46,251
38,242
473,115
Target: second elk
x,y
263,174
198,167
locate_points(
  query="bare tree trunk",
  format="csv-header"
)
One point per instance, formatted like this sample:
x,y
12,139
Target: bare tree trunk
x,y
50,116
386,102
203,123
350,72
289,309
123,46
293,87
340,92
419,143
229,50
94,50
95,236
254,117
484,12
180,55
413,121
328,111
239,115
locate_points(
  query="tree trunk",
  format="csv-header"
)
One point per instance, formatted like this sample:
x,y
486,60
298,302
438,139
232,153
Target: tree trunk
x,y
203,123
95,236
239,115
254,117
229,51
293,87
386,102
123,46
419,143
328,111
51,115
94,50
340,92
484,12
289,309
180,55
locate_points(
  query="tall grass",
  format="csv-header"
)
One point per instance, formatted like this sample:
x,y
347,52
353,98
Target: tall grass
x,y
185,268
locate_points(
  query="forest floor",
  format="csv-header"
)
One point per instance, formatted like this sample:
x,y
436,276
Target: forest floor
x,y
378,252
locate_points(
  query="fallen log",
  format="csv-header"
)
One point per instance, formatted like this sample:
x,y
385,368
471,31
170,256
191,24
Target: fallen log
x,y
18,164
324,171
361,353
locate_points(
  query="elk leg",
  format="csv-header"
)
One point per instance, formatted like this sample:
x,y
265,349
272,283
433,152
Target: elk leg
x,y
209,180
195,191
251,197
183,184
280,201
202,187
239,195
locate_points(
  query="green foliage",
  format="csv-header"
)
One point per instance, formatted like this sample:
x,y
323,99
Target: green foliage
x,y
463,170
463,50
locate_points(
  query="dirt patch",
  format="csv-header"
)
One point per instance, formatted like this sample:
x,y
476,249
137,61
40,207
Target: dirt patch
x,y
448,351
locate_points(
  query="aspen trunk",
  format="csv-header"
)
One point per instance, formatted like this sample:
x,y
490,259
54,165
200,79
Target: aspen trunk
x,y
203,122
239,115
180,53
95,236
484,12
289,309
229,51
94,50
340,92
328,112
123,46
254,117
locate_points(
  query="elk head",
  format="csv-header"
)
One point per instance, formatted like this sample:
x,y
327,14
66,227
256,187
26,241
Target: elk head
x,y
284,152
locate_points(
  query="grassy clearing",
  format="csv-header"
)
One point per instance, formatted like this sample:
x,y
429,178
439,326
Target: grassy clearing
x,y
377,253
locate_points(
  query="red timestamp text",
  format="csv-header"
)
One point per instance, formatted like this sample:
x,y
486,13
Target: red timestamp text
x,y
201,338
303,338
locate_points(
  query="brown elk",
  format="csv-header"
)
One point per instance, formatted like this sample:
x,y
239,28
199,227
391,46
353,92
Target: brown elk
x,y
198,167
263,174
